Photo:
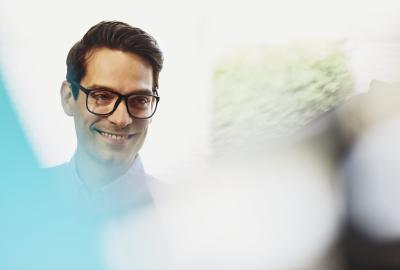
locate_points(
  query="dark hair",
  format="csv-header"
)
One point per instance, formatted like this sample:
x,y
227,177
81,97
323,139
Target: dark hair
x,y
113,35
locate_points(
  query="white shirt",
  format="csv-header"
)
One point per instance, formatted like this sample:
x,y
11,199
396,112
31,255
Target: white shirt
x,y
130,190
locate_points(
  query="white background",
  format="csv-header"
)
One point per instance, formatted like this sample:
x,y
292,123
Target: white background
x,y
35,37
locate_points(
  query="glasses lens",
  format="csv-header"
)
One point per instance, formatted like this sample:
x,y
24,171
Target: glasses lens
x,y
142,106
101,101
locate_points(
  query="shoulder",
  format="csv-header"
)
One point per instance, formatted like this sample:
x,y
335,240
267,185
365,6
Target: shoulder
x,y
57,168
157,187
64,175
59,171
151,179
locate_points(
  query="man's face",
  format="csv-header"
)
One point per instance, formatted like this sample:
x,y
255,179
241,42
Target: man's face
x,y
116,138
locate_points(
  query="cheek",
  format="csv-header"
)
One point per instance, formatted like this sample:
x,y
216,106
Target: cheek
x,y
84,120
141,127
82,129
141,124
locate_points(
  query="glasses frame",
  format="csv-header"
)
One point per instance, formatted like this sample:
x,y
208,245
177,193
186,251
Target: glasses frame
x,y
120,98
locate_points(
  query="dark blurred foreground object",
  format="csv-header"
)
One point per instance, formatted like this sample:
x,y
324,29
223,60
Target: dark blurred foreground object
x,y
361,137
372,126
364,253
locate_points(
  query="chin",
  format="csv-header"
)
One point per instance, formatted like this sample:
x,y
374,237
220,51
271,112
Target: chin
x,y
114,155
116,158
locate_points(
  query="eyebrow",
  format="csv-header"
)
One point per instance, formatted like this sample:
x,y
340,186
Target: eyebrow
x,y
143,91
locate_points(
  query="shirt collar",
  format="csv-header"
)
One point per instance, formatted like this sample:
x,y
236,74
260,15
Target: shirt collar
x,y
127,191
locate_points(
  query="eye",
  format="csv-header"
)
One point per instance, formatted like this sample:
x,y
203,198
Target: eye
x,y
139,101
142,100
102,95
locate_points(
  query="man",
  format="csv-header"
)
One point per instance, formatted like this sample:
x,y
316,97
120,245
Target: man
x,y
111,92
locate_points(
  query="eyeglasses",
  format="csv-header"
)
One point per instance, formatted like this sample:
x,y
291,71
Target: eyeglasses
x,y
104,102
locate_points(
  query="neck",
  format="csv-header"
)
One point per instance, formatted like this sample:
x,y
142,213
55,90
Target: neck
x,y
96,174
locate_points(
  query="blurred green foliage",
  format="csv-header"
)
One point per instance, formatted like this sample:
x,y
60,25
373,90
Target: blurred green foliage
x,y
266,92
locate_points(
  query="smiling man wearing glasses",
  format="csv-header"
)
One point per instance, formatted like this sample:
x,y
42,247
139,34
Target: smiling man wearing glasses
x,y
111,92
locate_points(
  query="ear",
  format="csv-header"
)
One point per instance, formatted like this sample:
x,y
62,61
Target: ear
x,y
67,98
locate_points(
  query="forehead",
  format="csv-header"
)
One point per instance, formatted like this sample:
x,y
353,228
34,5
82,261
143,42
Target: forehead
x,y
119,70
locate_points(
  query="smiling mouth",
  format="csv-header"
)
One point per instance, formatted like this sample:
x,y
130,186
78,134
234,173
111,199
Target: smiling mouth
x,y
118,138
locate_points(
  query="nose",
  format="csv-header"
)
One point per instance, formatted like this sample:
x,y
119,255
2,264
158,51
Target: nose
x,y
120,117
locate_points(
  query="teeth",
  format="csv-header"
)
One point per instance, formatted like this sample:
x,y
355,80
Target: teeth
x,y
113,136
